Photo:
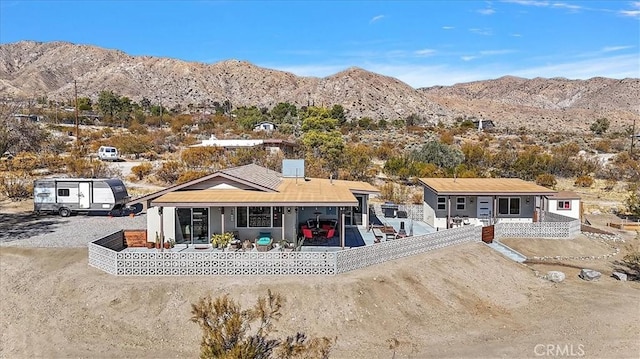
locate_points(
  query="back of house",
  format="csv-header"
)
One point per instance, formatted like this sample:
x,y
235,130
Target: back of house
x,y
68,195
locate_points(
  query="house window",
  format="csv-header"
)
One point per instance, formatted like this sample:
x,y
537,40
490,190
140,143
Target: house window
x,y
255,217
442,203
461,203
564,205
63,192
509,206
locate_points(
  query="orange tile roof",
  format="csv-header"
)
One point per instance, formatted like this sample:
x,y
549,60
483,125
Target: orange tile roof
x,y
471,186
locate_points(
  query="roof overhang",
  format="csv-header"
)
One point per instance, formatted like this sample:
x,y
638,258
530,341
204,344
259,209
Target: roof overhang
x,y
484,187
226,198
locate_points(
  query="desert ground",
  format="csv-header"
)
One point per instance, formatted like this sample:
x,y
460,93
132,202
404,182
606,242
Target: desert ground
x,y
462,301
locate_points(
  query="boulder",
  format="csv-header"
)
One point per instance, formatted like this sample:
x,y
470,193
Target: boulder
x,y
619,276
555,276
589,274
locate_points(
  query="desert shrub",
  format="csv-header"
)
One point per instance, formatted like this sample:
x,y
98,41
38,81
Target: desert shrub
x,y
142,170
230,332
442,155
391,192
385,150
190,175
201,157
169,172
82,167
633,201
446,137
584,181
416,198
547,180
602,146
600,126
16,185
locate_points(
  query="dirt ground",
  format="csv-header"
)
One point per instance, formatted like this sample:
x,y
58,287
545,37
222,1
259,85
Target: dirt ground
x,y
463,301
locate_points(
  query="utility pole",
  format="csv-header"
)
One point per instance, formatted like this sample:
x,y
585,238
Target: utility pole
x,y
633,137
75,90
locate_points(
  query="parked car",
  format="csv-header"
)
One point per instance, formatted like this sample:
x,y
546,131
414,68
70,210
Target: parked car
x,y
108,153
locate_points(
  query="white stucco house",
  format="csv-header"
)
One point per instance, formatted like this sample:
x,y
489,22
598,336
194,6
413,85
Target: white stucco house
x,y
565,203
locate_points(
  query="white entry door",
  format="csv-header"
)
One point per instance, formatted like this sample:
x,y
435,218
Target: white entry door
x,y
84,190
485,209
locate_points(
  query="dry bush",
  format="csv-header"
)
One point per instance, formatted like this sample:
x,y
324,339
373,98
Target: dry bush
x,y
201,157
584,181
546,180
87,168
170,172
230,332
391,192
190,175
416,198
142,170
603,146
17,185
446,137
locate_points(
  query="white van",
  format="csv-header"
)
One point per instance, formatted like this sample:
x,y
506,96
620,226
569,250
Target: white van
x,y
107,153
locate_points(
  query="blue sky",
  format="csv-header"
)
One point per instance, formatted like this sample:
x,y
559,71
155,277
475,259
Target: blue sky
x,y
423,43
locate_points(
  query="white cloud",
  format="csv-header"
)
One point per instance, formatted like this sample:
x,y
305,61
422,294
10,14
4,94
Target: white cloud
x,y
483,31
616,48
376,18
495,52
630,13
528,2
486,11
448,28
566,6
425,52
516,35
468,58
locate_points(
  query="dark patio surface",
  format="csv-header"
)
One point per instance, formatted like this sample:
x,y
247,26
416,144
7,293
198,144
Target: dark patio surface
x,y
352,238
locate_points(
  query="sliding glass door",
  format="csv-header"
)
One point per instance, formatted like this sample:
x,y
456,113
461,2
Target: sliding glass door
x,y
193,224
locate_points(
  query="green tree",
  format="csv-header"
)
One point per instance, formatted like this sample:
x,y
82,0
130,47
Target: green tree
x,y
337,112
356,162
84,104
108,103
230,332
248,117
600,126
284,112
439,154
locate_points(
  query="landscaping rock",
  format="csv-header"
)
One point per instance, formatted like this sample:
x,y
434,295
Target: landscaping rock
x,y
589,274
555,276
620,276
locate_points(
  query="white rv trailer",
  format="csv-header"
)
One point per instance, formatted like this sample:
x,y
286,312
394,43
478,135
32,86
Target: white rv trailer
x,y
68,195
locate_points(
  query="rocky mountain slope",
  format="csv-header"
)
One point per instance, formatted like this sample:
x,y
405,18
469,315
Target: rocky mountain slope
x,y
32,69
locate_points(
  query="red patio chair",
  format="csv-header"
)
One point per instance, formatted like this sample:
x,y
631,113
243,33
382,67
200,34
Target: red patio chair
x,y
306,232
330,233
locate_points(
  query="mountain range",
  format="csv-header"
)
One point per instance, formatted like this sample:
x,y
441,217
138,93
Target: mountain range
x,y
31,69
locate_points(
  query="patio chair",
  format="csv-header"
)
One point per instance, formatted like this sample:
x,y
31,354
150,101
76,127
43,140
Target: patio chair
x,y
307,234
264,242
330,233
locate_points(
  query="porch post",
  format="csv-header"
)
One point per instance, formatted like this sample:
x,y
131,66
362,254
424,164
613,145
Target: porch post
x,y
222,219
161,228
448,211
342,226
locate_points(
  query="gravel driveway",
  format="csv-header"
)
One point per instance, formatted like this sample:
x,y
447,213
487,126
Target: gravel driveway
x,y
30,230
